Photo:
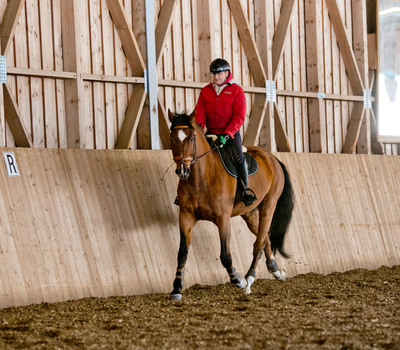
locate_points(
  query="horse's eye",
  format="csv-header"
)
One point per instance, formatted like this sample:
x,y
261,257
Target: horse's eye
x,y
192,139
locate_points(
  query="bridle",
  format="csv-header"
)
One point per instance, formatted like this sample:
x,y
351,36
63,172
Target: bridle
x,y
187,161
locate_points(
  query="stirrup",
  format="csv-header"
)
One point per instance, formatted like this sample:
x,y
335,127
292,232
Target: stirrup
x,y
248,197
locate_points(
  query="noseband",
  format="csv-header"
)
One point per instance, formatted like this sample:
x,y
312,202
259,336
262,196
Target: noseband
x,y
186,161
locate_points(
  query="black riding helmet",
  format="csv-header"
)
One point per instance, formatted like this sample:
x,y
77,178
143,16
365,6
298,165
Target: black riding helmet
x,y
219,65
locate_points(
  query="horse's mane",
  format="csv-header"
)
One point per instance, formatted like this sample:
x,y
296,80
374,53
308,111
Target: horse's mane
x,y
182,120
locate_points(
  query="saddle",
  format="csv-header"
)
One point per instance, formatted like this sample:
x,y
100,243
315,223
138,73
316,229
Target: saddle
x,y
227,159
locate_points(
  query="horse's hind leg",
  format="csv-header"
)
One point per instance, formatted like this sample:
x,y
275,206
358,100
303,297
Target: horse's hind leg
x,y
252,221
186,223
224,227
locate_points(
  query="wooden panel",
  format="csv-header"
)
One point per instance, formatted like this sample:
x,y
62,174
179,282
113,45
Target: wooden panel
x,y
202,30
81,223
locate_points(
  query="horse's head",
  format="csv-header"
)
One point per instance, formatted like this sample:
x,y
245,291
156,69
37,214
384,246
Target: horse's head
x,y
183,142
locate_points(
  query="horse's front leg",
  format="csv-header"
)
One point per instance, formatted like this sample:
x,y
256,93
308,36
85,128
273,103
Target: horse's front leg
x,y
224,227
186,223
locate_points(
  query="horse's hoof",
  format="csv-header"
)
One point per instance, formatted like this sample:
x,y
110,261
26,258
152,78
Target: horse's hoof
x,y
280,275
242,283
283,277
175,297
249,282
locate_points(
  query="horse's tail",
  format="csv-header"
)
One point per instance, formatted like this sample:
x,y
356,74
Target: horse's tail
x,y
282,215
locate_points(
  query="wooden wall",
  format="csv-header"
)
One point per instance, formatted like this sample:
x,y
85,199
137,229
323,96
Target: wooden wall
x,y
80,223
76,80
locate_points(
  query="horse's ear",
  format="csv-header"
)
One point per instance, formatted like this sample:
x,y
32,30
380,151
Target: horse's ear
x,y
170,115
192,115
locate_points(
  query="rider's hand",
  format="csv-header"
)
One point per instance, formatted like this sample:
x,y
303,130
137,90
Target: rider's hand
x,y
221,140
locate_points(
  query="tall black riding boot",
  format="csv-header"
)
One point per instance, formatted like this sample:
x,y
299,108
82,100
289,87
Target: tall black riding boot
x,y
248,195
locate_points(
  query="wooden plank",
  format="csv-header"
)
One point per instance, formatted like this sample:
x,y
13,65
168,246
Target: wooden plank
x,y
128,41
281,136
131,119
247,40
111,120
59,66
97,66
163,26
264,32
40,73
204,38
315,77
19,87
297,120
281,33
256,121
9,22
328,47
72,63
359,19
345,47
48,85
35,84
113,213
354,127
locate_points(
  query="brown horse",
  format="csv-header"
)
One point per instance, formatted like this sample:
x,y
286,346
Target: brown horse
x,y
207,192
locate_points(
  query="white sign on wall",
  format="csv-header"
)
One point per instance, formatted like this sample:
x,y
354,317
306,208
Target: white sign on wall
x,y
11,164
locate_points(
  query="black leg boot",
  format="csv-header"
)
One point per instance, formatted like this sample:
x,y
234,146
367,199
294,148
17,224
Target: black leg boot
x,y
248,195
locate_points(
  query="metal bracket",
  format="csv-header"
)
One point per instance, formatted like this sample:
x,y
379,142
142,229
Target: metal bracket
x,y
270,86
146,88
3,70
367,98
321,95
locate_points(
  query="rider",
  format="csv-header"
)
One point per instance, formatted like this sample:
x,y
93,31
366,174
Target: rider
x,y
222,109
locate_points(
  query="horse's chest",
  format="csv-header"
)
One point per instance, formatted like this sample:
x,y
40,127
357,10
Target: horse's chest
x,y
203,211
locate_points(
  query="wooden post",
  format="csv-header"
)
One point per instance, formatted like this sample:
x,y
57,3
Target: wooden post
x,y
315,78
72,62
360,38
204,32
264,33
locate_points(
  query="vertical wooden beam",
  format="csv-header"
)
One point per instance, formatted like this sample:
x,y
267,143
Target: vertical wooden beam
x,y
277,53
360,43
72,63
162,29
204,32
264,33
315,76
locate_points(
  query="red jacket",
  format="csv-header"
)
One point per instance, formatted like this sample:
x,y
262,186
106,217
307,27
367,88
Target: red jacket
x,y
224,113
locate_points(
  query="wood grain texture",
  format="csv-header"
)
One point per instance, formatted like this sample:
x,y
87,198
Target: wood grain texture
x,y
81,223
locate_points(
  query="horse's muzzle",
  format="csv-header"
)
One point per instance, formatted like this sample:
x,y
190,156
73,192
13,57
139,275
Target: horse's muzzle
x,y
182,171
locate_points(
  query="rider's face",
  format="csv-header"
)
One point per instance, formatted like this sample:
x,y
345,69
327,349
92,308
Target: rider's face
x,y
219,78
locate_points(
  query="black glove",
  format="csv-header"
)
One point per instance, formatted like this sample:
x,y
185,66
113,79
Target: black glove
x,y
221,140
